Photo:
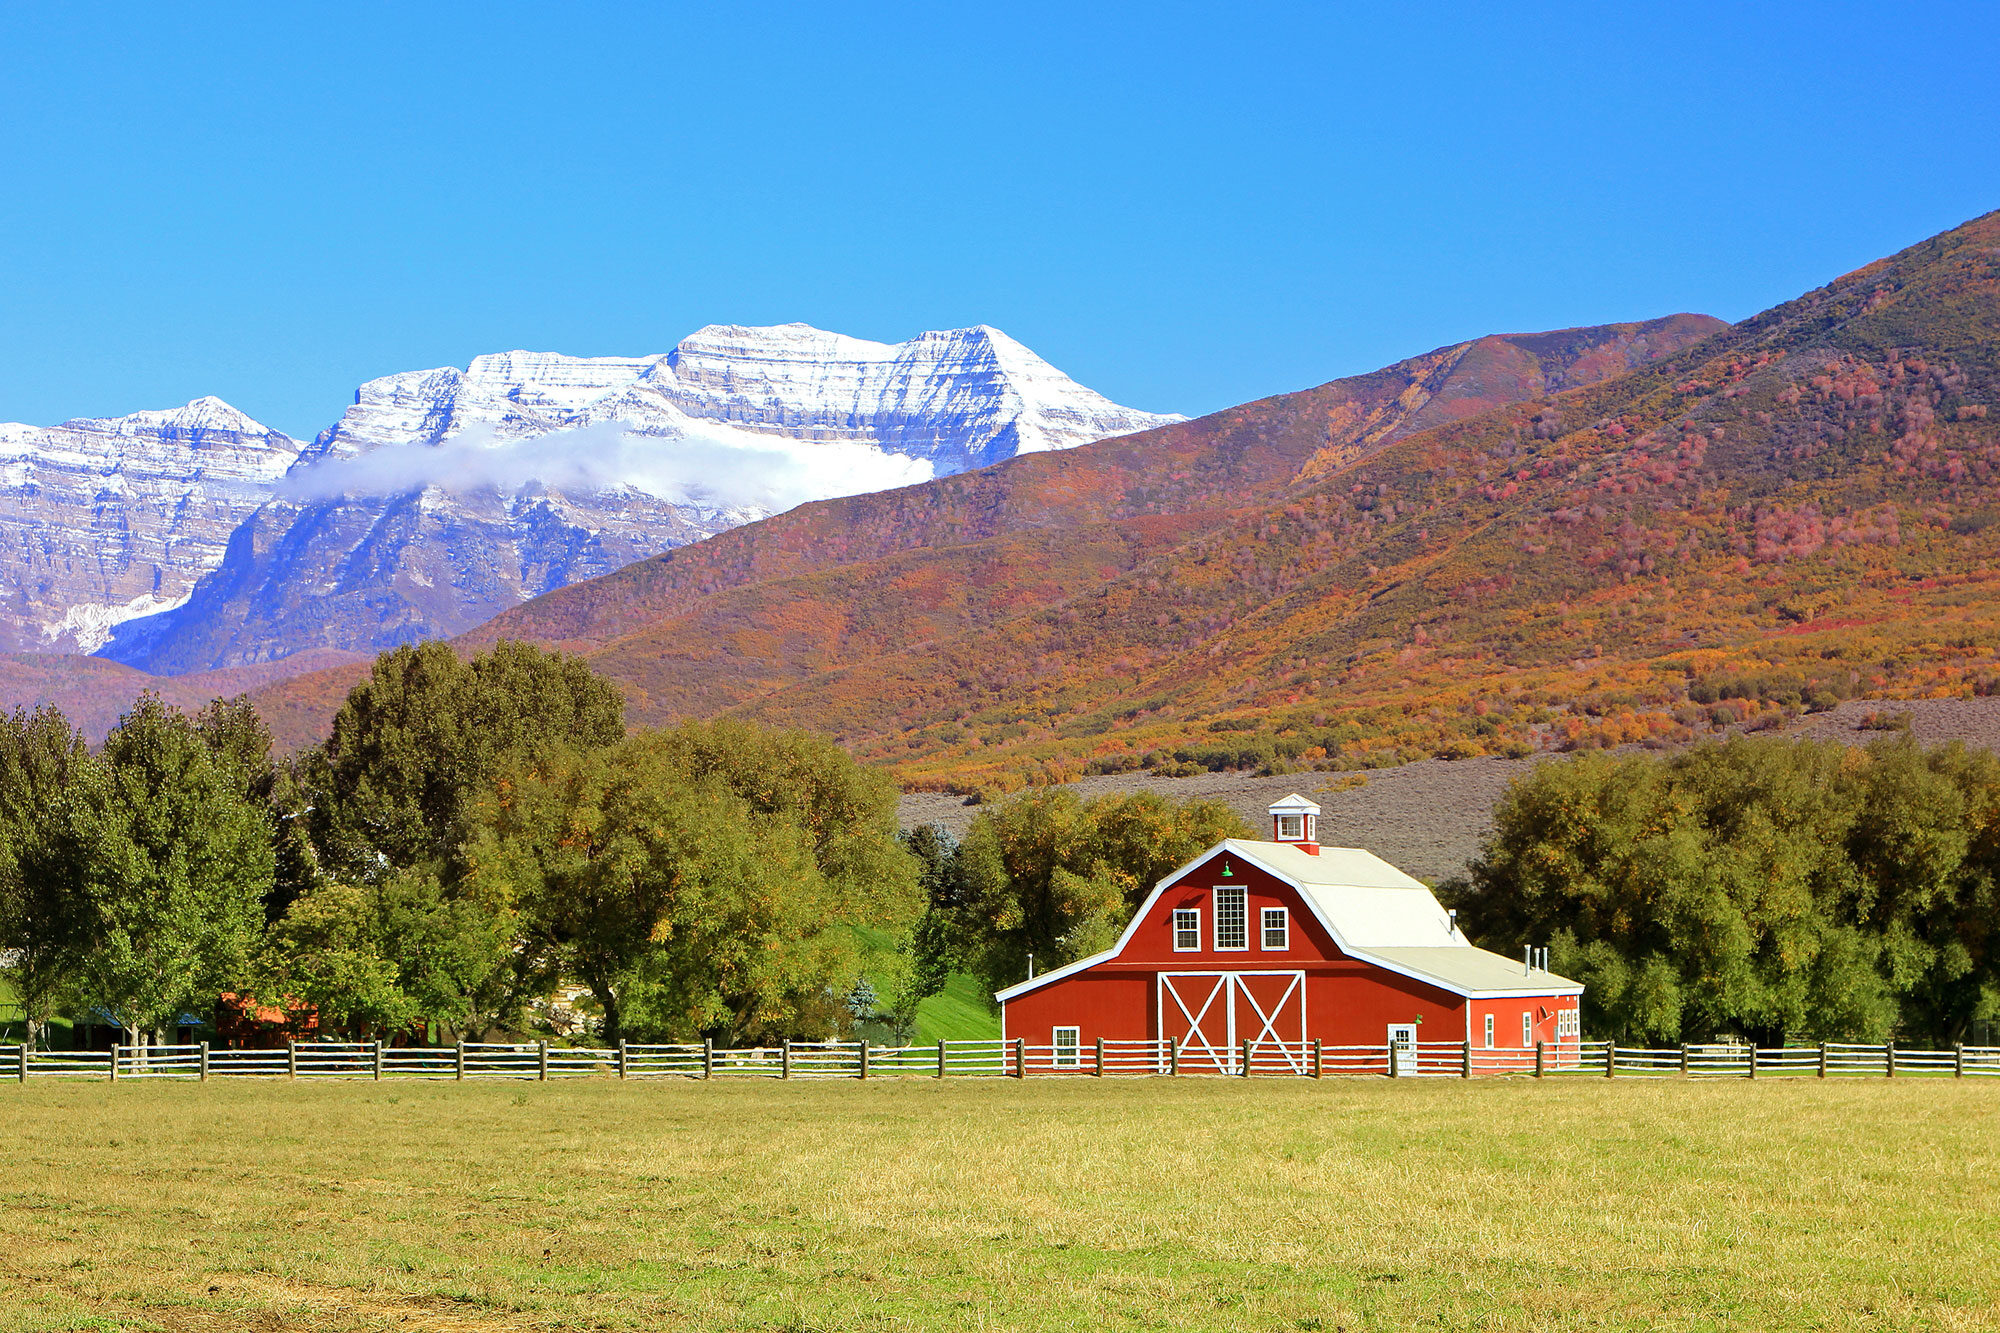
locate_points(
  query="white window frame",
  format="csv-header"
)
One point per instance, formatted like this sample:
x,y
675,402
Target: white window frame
x,y
1265,916
1192,915
1243,922
1527,1028
1074,1057
1291,828
1489,1032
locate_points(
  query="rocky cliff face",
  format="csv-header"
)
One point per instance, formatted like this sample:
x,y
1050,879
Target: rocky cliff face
x,y
105,520
442,497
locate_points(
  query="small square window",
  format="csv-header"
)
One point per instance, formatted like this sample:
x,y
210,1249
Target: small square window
x,y
1067,1043
1232,919
1187,930
1277,928
1291,828
1489,1032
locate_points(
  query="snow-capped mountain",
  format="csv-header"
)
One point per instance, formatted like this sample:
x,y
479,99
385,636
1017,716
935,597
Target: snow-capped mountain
x,y
443,496
958,399
104,520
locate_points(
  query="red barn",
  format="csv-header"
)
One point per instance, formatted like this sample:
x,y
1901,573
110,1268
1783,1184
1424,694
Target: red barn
x,y
1290,942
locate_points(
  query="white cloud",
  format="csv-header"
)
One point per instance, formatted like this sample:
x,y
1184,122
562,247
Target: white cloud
x,y
717,469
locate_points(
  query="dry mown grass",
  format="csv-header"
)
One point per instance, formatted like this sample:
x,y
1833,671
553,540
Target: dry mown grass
x,y
1189,1204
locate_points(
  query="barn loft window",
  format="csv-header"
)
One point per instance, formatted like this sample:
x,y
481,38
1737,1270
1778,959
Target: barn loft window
x,y
1277,928
1291,828
1187,929
1489,1032
1232,919
1067,1044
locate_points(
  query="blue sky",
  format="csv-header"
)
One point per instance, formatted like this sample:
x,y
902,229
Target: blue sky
x,y
1184,207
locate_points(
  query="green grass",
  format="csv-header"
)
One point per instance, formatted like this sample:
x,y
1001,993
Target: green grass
x,y
962,1011
910,1204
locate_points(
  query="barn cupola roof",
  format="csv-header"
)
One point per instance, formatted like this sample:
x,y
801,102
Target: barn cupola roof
x,y
1295,821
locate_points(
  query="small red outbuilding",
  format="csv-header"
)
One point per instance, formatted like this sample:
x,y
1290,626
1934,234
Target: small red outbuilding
x,y
1290,942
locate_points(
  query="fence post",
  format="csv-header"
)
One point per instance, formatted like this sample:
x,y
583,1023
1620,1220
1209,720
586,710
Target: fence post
x,y
1957,1060
1538,1059
114,1062
459,1071
785,1059
708,1057
1020,1057
1246,1059
864,1058
1395,1067
1097,1070
1173,1057
378,1059
624,1057
940,1057
24,1061
204,1062
1465,1061
292,1058
542,1061
1822,1059
1889,1060
1319,1057
1611,1059
1684,1059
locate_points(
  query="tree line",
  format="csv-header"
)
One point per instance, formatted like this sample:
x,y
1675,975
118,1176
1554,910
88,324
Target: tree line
x,y
1762,888
472,835
475,835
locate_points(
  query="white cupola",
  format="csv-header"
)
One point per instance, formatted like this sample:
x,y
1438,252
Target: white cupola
x,y
1295,821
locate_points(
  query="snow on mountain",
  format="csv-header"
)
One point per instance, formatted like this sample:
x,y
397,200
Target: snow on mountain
x,y
106,520
443,496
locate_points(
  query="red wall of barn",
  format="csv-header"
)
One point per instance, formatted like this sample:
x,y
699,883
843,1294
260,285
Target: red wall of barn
x,y
1348,1002
1507,1016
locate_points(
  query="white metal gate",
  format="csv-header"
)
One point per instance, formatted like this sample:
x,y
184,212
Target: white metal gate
x,y
1211,1015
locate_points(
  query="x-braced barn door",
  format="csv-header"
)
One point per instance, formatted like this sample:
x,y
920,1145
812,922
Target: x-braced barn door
x,y
1212,1014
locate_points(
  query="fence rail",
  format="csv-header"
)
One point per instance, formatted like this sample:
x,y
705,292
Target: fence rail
x,y
1169,1057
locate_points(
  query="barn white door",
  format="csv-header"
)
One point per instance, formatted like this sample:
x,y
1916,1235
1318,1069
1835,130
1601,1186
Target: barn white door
x,y
1212,1014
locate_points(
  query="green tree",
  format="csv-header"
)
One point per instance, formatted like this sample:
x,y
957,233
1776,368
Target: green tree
x,y
384,956
1758,887
846,812
43,919
426,734
158,836
1054,877
683,907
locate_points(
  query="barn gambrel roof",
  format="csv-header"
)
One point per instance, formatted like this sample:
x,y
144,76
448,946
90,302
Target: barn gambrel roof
x,y
1373,911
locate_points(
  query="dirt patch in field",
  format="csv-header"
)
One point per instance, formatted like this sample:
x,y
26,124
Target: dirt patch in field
x,y
1429,817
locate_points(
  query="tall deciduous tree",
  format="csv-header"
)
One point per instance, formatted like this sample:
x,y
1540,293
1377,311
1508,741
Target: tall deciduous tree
x,y
174,858
427,733
681,906
43,918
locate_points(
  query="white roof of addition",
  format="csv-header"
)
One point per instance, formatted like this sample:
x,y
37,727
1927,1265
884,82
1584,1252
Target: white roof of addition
x,y
1374,912
1295,804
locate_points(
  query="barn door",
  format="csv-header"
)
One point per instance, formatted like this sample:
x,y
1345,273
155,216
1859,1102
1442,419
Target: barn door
x,y
1271,1016
1212,1014
1195,1010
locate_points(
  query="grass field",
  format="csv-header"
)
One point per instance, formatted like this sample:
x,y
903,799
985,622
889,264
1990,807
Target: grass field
x,y
1046,1205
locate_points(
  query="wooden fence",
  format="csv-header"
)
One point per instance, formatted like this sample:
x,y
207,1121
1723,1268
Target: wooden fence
x,y
1000,1059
